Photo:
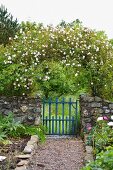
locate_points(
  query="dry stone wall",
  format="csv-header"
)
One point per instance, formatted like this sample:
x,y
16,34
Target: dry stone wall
x,y
91,108
26,110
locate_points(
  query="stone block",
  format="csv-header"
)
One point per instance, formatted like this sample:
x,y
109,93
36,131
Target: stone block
x,y
87,120
85,113
95,104
111,105
88,157
22,162
86,138
89,149
37,121
111,111
35,138
31,142
107,110
96,111
28,149
26,156
2,158
97,99
87,99
21,168
24,108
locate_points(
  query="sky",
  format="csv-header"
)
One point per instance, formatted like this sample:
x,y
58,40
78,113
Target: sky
x,y
95,14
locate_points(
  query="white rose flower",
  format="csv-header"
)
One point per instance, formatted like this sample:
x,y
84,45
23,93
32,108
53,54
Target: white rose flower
x,y
9,58
100,118
76,74
110,124
112,117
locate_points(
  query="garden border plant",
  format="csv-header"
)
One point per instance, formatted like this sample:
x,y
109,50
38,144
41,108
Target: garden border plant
x,y
11,128
101,139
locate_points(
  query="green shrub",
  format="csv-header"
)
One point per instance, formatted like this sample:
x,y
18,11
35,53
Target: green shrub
x,y
101,136
104,161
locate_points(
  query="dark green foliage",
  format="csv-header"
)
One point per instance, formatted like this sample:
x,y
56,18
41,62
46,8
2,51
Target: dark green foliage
x,y
10,128
8,26
54,79
104,161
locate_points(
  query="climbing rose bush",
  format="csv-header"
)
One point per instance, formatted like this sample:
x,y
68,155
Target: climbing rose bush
x,y
87,52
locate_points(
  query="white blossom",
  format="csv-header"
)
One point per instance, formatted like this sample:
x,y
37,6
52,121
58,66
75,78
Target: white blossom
x,y
46,78
100,118
9,57
97,49
26,70
76,74
110,123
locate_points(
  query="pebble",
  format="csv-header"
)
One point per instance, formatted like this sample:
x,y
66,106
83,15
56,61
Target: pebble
x,y
22,162
2,158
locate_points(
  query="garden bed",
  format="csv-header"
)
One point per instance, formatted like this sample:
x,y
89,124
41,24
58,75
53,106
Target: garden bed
x,y
10,151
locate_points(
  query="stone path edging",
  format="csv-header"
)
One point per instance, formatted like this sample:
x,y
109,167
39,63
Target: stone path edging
x,y
27,153
88,151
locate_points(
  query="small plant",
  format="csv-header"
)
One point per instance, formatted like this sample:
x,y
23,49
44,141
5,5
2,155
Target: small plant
x,y
10,128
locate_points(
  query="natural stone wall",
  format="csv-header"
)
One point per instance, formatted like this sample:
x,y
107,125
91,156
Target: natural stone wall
x,y
26,110
91,108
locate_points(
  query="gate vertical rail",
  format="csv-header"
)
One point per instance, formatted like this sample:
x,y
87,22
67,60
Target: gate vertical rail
x,y
56,114
63,100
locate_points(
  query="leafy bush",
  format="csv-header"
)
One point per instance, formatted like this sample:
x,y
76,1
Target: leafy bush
x,y
10,128
104,161
101,136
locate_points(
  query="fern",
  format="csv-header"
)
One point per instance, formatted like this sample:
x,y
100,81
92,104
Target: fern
x,y
10,128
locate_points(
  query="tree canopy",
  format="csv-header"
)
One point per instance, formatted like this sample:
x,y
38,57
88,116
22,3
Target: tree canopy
x,y
8,26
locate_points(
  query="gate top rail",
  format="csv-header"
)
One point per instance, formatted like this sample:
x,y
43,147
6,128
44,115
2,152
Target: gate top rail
x,y
59,101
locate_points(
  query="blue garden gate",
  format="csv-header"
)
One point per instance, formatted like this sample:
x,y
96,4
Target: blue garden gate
x,y
61,117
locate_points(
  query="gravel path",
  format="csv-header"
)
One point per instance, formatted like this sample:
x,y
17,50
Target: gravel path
x,y
59,154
